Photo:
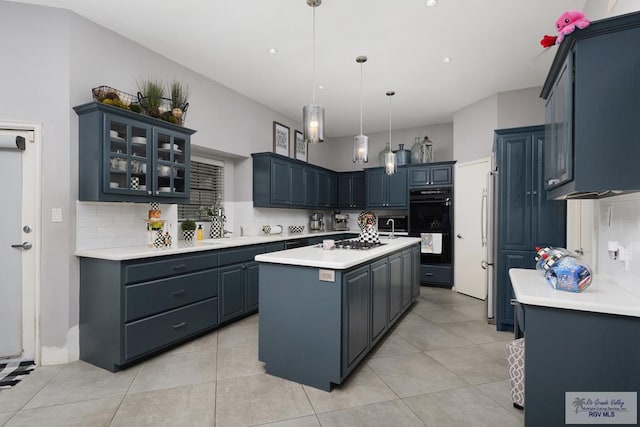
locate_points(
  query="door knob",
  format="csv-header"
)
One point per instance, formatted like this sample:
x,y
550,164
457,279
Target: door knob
x,y
484,264
459,236
23,245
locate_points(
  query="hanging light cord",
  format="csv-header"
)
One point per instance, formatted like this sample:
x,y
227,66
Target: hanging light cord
x,y
361,91
314,54
390,118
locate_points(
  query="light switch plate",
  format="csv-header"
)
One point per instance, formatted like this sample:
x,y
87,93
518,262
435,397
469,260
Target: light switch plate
x,y
56,214
326,275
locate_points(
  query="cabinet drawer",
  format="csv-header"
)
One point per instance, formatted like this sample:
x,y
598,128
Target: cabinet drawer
x,y
139,271
435,273
234,256
145,299
154,332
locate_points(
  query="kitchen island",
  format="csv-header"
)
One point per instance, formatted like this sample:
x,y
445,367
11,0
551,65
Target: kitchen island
x,y
322,311
579,346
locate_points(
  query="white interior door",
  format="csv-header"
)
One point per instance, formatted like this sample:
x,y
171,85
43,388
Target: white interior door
x,y
17,237
469,210
580,229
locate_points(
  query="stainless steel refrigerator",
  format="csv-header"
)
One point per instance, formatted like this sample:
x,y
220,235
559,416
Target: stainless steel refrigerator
x,y
490,209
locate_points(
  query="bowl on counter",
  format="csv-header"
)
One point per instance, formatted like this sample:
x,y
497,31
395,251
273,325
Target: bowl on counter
x,y
296,229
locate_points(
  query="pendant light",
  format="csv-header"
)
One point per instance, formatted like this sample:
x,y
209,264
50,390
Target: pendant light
x,y
313,114
361,142
390,159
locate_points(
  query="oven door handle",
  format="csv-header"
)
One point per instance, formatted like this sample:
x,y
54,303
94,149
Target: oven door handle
x,y
428,202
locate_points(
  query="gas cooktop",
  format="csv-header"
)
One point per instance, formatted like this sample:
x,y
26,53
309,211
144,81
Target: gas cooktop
x,y
356,244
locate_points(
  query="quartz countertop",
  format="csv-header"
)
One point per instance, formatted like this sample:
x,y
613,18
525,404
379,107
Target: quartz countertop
x,y
135,252
602,296
335,259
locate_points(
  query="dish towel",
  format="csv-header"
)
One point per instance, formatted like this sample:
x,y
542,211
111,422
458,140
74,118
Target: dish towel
x,y
431,243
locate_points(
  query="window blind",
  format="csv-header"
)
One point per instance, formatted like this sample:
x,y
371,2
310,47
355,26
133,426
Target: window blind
x,y
207,186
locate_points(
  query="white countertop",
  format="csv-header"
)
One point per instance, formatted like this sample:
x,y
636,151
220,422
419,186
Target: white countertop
x,y
335,259
602,296
135,252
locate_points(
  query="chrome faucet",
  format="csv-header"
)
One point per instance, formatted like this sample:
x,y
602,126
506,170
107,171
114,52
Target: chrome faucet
x,y
393,228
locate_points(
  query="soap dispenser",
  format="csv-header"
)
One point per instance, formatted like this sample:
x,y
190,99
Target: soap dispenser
x,y
199,232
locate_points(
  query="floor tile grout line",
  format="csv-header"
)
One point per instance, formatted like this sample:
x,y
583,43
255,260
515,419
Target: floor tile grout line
x,y
215,397
38,392
125,395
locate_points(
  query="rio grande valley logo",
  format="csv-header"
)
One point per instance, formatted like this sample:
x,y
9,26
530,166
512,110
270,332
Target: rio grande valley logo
x,y
601,408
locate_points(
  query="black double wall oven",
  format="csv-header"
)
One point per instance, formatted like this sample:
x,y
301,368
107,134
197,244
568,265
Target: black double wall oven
x,y
431,211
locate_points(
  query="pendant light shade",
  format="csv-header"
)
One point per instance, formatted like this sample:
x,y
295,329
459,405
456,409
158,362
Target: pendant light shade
x,y
390,158
361,142
313,114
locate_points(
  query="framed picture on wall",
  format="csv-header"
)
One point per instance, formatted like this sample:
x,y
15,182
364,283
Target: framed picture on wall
x,y
300,147
280,139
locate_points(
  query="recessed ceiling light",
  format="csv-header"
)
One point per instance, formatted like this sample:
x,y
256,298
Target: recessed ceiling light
x,y
431,3
320,87
446,59
272,50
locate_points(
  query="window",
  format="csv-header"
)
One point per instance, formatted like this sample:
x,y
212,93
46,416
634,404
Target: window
x,y
207,186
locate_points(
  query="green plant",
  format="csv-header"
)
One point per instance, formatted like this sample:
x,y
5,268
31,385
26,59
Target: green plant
x,y
179,94
188,224
152,92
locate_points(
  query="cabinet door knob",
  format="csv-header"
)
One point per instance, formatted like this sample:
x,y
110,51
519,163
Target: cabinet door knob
x,y
459,236
535,193
528,193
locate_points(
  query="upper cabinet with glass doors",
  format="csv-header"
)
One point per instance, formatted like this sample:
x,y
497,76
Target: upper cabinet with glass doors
x,y
125,156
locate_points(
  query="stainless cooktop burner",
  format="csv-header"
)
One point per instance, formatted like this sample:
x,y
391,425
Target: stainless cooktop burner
x,y
356,244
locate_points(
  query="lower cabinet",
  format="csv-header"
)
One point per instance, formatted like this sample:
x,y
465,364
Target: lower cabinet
x,y
379,299
316,331
135,308
506,261
357,303
395,286
132,309
238,290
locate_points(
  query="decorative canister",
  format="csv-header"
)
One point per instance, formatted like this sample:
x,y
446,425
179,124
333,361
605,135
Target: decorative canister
x,y
188,235
422,150
403,156
369,235
217,228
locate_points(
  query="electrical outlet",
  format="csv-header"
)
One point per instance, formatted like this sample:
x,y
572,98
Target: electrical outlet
x,y
326,275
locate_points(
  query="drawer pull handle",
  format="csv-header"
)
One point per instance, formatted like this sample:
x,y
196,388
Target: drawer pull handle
x,y
428,274
179,267
178,293
513,301
180,325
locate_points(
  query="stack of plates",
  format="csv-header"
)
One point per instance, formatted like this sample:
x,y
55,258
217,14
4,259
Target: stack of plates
x,y
138,139
165,189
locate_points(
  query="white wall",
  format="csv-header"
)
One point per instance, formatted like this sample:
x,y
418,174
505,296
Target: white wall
x,y
339,153
473,128
522,107
625,229
599,9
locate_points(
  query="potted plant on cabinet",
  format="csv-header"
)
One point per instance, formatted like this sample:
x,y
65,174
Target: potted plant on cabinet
x,y
188,229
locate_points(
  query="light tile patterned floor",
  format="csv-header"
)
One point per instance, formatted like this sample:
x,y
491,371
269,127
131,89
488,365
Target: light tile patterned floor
x,y
442,365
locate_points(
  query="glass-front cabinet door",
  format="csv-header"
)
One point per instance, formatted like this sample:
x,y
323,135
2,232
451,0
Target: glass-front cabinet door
x,y
127,156
170,157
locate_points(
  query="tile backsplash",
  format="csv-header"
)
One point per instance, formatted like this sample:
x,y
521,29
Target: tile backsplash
x,y
618,219
113,225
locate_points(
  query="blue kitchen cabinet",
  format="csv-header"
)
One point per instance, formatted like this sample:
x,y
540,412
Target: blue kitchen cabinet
x,y
130,157
386,191
526,218
238,279
327,189
431,174
288,183
379,299
592,95
351,190
415,272
356,315
395,286
407,277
